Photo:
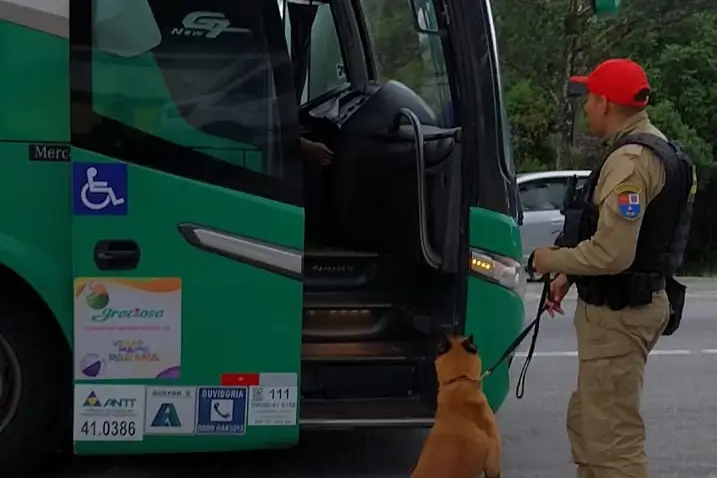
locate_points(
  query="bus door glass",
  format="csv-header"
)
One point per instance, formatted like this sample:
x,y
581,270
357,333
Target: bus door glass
x,y
403,53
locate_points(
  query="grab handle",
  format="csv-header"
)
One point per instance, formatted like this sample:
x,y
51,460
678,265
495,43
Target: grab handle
x,y
429,254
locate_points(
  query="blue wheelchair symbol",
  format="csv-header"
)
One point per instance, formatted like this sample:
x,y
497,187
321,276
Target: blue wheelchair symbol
x,y
99,189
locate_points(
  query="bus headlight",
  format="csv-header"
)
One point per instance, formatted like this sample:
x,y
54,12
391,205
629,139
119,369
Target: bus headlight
x,y
504,271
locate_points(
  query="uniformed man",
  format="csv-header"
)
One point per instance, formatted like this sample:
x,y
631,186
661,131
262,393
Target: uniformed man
x,y
633,234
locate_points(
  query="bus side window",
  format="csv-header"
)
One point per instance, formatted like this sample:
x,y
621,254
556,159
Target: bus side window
x,y
325,70
220,101
326,65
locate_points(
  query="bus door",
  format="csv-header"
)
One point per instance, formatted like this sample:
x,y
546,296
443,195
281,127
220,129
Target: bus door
x,y
188,227
493,286
495,310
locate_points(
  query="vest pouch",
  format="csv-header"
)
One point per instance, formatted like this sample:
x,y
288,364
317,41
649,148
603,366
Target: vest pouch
x,y
617,295
639,289
676,294
589,291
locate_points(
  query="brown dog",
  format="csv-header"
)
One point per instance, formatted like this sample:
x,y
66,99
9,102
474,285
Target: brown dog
x,y
464,441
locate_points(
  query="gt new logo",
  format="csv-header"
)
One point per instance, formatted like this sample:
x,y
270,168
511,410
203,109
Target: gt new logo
x,y
207,24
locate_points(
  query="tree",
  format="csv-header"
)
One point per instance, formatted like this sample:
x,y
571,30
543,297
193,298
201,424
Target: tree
x,y
398,47
547,41
530,110
671,123
543,42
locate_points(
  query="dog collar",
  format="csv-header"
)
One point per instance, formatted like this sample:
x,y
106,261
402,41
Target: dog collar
x,y
463,378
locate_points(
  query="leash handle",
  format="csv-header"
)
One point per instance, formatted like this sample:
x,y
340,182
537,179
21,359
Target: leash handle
x,y
520,386
534,326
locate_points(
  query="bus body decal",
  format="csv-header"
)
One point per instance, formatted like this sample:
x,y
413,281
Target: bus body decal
x,y
281,260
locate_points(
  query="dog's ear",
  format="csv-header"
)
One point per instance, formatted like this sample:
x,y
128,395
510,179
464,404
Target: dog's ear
x,y
469,345
444,344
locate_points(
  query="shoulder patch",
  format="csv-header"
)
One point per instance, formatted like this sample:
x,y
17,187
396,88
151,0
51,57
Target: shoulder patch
x,y
628,200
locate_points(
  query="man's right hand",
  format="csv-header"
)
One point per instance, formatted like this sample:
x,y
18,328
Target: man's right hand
x,y
559,288
317,152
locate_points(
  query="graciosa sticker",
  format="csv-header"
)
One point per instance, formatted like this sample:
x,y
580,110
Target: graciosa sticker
x,y
127,328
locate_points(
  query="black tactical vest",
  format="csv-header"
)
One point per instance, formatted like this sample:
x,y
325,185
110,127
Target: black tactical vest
x,y
663,234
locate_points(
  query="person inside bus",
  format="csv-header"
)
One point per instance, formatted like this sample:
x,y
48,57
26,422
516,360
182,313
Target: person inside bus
x,y
317,157
316,152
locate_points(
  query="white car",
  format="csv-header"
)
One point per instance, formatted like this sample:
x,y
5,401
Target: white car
x,y
541,195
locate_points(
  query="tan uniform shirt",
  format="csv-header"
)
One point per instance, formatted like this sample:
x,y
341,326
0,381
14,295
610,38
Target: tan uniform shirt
x,y
630,178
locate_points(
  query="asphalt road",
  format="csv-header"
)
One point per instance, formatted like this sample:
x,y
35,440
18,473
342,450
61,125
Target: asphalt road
x,y
679,406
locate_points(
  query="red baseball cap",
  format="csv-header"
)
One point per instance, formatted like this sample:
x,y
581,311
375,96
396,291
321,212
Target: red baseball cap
x,y
619,80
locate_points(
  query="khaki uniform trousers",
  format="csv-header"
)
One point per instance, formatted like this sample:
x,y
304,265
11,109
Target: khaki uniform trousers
x,y
605,428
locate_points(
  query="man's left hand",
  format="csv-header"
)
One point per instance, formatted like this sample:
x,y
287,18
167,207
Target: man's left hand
x,y
539,260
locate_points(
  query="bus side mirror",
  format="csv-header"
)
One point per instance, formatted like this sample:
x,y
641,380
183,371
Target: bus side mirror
x,y
424,17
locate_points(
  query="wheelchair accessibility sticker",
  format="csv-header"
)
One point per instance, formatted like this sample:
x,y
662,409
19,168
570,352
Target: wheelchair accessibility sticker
x,y
99,189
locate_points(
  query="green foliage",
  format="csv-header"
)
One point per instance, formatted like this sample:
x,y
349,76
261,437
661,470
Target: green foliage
x,y
396,44
686,74
530,111
543,42
403,54
668,117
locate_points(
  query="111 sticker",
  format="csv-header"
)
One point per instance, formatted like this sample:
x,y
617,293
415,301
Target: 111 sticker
x,y
273,406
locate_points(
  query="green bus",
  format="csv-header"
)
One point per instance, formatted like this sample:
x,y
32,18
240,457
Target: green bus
x,y
153,148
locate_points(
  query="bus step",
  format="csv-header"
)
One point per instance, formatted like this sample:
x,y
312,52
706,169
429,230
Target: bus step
x,y
344,324
339,269
347,300
365,371
369,412
338,252
355,352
